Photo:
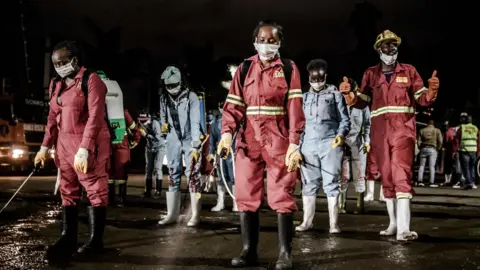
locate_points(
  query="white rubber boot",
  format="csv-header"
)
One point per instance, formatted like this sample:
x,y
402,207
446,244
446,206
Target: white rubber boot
x,y
381,197
308,213
220,199
234,208
196,207
370,191
173,208
392,227
333,214
403,221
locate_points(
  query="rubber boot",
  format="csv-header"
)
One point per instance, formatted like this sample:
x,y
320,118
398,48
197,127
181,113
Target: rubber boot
x,y
234,208
392,227
111,194
285,236
370,190
220,199
360,204
403,221
308,213
66,245
196,205
333,214
122,192
97,217
148,188
250,227
173,208
158,187
342,202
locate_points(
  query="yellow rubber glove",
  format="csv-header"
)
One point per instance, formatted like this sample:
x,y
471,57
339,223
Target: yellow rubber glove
x,y
225,145
211,158
293,158
366,148
338,141
164,128
81,160
194,156
41,156
143,132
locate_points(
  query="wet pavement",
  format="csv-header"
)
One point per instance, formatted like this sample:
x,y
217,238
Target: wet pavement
x,y
447,221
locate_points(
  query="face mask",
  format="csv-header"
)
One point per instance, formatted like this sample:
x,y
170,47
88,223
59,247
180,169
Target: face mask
x,y
317,85
65,70
388,59
266,51
174,91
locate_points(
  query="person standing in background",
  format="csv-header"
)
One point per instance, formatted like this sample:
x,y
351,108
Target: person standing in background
x,y
430,142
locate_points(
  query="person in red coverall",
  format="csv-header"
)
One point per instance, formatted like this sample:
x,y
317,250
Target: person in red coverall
x,y
394,90
119,161
76,126
269,138
452,162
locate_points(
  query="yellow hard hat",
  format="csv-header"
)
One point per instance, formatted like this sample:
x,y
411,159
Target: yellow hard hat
x,y
386,35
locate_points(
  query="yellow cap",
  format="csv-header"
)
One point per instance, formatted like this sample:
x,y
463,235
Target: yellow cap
x,y
386,35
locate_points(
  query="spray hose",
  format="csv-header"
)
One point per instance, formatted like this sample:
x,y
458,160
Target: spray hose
x,y
222,171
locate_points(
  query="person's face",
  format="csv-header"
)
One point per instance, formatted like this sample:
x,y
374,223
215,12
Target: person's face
x,y
268,35
389,47
317,76
61,58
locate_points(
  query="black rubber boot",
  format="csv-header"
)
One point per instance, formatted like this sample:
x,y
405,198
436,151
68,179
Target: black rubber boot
x,y
66,245
360,204
148,188
250,227
158,188
97,217
111,194
122,192
285,236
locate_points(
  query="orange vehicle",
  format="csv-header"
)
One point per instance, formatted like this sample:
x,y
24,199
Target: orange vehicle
x,y
22,126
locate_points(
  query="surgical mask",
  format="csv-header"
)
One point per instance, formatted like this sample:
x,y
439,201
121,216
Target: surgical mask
x,y
388,59
175,91
317,85
266,51
65,70
220,110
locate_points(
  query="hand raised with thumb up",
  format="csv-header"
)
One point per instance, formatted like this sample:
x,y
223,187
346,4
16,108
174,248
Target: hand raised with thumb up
x,y
433,85
345,86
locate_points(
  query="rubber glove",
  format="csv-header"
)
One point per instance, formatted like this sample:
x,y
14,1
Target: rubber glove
x,y
81,160
41,156
225,145
433,85
338,141
293,158
164,128
195,155
211,158
366,148
143,132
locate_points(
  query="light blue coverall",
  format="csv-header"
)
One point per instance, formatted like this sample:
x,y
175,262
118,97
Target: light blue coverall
x,y
154,153
187,106
326,117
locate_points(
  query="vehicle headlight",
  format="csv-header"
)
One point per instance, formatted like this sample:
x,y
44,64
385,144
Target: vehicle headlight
x,y
16,153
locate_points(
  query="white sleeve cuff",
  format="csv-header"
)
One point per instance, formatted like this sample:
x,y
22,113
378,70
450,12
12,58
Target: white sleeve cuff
x,y
294,146
43,149
226,136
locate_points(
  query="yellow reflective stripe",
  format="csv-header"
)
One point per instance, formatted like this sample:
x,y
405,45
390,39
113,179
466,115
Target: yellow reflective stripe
x,y
419,93
236,100
266,110
111,181
363,96
121,181
295,93
392,109
132,126
404,195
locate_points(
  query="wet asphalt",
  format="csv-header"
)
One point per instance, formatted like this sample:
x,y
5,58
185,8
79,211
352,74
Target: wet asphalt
x,y
447,221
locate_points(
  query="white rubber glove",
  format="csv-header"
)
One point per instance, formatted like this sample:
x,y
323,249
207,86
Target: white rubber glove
x,y
81,160
41,156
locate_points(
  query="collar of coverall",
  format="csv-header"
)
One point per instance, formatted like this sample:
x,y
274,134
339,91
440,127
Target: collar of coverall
x,y
80,73
398,67
256,59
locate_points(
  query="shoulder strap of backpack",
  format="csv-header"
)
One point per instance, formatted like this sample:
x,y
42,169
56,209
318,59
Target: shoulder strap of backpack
x,y
244,71
85,78
287,70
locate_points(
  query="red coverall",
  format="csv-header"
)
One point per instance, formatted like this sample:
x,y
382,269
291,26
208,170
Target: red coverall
x,y
265,137
393,129
70,127
121,153
372,169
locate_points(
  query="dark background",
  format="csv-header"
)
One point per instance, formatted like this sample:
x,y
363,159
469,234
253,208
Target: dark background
x,y
132,41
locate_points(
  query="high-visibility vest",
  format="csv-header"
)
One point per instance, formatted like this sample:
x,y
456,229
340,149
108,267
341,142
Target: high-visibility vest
x,y
469,138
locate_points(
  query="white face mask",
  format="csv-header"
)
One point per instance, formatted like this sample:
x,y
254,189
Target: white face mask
x,y
65,70
174,91
317,85
266,51
388,59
